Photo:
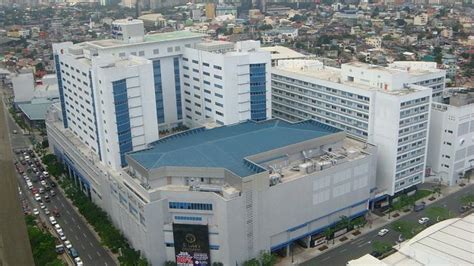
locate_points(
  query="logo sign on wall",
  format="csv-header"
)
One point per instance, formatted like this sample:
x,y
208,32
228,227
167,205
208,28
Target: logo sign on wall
x,y
191,244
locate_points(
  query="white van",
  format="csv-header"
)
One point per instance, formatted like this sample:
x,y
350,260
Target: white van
x,y
30,185
52,220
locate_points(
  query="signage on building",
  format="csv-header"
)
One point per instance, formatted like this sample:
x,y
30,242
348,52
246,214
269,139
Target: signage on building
x,y
191,244
317,240
340,232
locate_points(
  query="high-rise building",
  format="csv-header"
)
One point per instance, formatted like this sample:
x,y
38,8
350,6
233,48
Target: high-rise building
x,y
451,140
225,82
381,105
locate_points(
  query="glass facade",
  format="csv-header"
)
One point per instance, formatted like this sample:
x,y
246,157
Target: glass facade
x,y
160,111
122,118
61,90
258,93
177,82
95,116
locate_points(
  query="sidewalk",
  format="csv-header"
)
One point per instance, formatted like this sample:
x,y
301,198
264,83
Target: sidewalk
x,y
301,254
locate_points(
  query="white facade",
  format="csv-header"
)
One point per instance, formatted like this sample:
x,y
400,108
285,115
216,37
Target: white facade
x,y
425,74
90,109
146,203
218,83
451,141
372,103
23,86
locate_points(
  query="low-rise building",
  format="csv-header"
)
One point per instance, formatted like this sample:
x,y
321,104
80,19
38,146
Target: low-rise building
x,y
269,182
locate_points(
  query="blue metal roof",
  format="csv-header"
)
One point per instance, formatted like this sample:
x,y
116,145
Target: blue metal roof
x,y
227,146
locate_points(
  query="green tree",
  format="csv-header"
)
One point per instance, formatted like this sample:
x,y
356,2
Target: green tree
x,y
405,228
467,199
268,258
170,263
381,247
217,264
438,213
252,262
42,245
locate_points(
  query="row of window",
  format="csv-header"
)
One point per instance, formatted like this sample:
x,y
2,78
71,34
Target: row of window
x,y
190,206
188,218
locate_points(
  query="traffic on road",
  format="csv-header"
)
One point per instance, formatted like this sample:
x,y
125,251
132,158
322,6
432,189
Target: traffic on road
x,y
41,198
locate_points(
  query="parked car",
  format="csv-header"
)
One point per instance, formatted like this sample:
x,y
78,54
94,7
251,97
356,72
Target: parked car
x,y
68,244
463,209
419,207
423,220
37,197
52,193
73,252
78,261
383,232
46,198
52,220
60,249
36,211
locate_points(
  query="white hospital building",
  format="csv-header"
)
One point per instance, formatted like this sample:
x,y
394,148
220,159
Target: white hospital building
x,y
381,105
451,142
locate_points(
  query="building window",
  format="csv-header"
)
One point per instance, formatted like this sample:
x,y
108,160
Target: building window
x,y
217,67
190,206
156,51
170,49
141,53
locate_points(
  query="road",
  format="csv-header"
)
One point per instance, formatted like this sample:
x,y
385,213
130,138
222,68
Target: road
x,y
75,229
14,242
363,245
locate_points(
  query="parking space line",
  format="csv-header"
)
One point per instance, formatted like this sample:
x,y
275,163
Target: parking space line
x,y
84,235
77,238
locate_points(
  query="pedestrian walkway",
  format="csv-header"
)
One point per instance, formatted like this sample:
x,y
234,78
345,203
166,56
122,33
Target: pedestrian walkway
x,y
375,222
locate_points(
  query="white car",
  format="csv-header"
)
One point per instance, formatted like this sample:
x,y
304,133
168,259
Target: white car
x,y
43,182
52,220
42,206
383,232
78,261
37,197
423,220
62,236
46,211
68,244
36,211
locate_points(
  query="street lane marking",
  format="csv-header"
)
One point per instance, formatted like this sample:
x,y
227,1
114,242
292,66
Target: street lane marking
x,y
72,218
98,254
325,258
84,235
90,243
84,248
89,256
342,250
65,222
366,243
62,204
77,238
68,212
78,227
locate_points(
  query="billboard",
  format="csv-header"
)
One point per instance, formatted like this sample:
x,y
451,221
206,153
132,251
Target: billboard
x,y
191,244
